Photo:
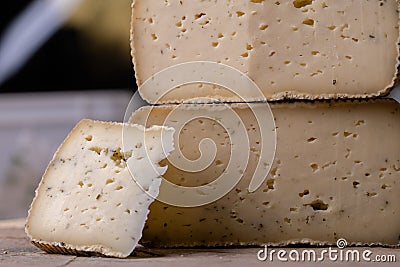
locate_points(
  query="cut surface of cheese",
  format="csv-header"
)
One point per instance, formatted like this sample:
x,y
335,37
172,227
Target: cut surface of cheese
x,y
88,202
314,49
335,175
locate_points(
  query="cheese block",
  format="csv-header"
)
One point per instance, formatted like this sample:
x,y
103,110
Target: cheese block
x,y
88,201
298,49
336,174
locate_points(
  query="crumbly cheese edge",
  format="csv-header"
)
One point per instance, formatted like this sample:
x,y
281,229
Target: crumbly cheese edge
x,y
132,44
321,103
305,241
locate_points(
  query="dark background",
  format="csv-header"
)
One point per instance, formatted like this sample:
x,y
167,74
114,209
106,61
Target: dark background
x,y
71,61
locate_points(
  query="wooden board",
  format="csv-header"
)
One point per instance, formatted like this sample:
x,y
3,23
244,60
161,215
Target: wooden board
x,y
16,250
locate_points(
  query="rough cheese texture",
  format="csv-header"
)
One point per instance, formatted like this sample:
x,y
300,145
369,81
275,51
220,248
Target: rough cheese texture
x,y
87,201
308,49
336,175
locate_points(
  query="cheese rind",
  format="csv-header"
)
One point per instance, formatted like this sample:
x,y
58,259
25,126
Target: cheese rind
x,y
323,49
335,175
88,202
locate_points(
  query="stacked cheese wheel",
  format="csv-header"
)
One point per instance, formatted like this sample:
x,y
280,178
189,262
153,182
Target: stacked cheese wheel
x,y
337,163
322,67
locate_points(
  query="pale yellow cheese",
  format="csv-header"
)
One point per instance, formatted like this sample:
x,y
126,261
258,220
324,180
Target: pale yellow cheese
x,y
292,49
88,200
336,174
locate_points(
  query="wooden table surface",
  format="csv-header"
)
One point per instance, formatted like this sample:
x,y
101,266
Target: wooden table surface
x,y
16,250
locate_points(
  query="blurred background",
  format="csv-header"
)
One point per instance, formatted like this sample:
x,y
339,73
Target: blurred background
x,y
60,61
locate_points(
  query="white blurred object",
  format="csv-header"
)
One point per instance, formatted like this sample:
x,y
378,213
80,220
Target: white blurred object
x,y
30,31
395,94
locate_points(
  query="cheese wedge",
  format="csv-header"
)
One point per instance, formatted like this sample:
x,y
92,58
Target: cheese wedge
x,y
298,49
336,174
88,202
